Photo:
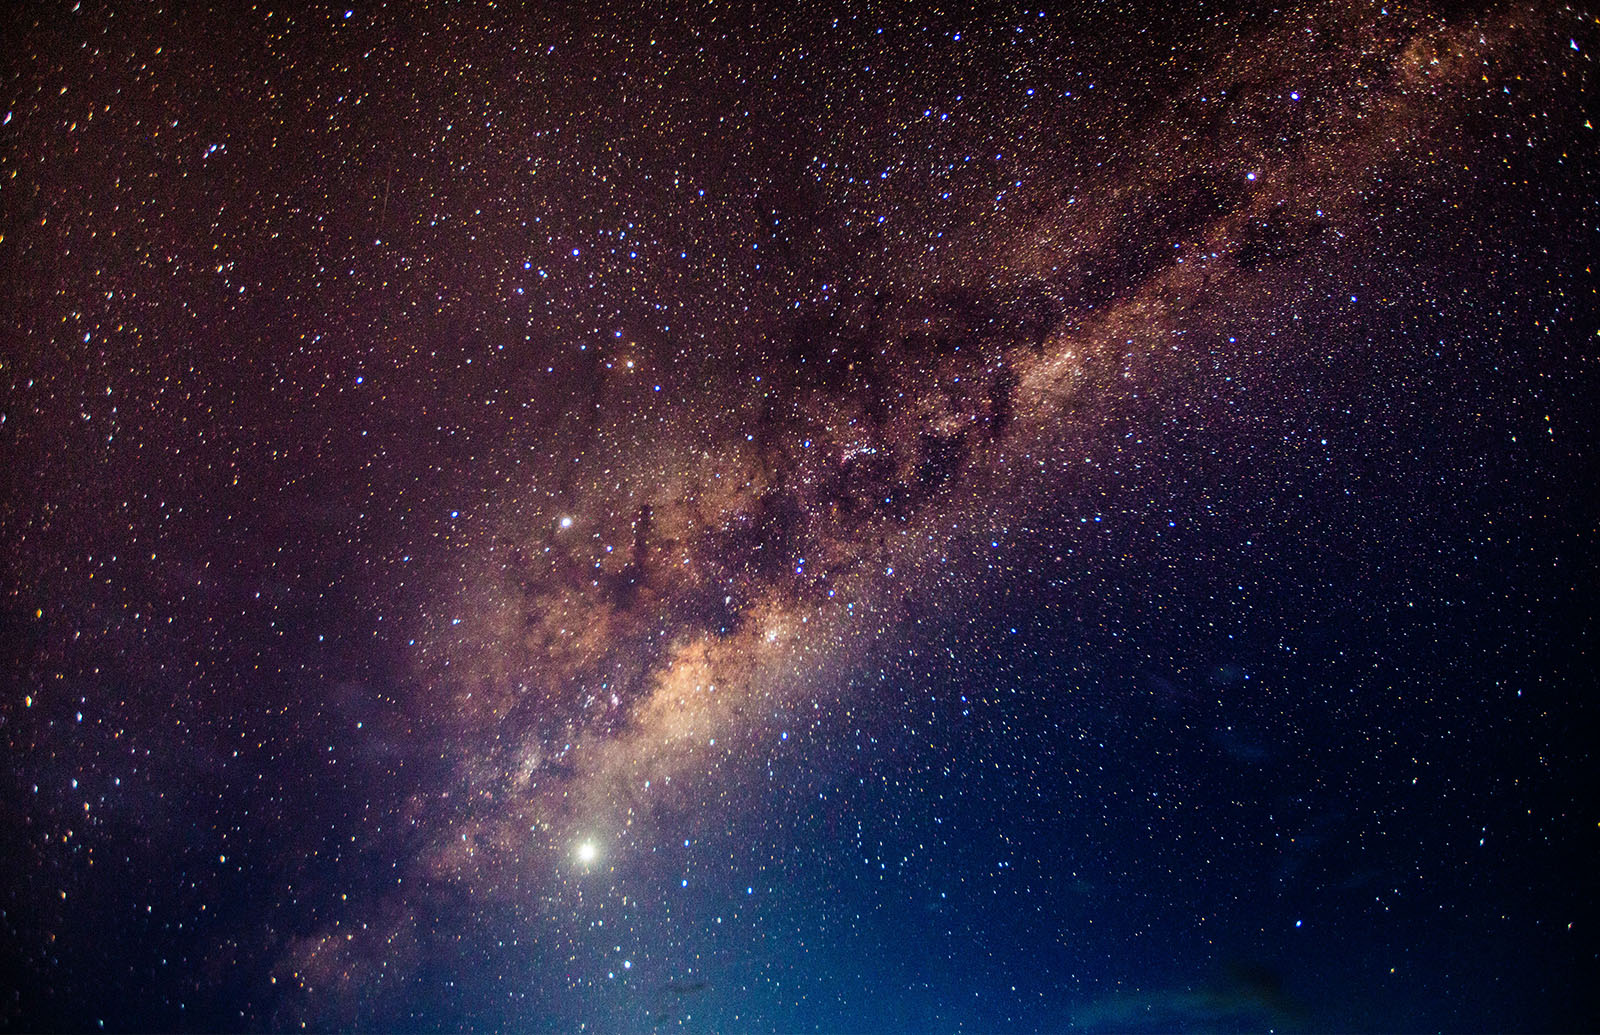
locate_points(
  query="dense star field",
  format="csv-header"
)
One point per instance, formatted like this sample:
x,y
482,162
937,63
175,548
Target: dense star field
x,y
746,517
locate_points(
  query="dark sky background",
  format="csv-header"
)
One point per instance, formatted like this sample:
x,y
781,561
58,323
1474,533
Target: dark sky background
x,y
720,517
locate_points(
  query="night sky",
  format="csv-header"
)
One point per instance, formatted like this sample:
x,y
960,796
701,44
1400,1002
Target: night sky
x,y
720,517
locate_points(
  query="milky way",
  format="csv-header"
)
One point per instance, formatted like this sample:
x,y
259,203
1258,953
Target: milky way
x,y
642,519
698,580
